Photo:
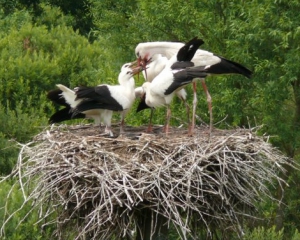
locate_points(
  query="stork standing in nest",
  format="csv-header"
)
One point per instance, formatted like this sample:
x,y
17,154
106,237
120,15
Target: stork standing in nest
x,y
178,72
66,97
154,68
211,63
118,98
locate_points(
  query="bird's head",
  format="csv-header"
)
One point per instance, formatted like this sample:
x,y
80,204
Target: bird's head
x,y
135,67
144,55
128,70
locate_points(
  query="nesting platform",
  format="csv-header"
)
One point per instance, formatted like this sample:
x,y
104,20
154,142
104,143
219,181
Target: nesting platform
x,y
102,188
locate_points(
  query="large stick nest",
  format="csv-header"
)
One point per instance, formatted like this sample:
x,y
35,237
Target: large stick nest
x,y
102,185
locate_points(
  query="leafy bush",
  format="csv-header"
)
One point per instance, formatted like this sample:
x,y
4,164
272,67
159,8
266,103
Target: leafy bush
x,y
261,233
28,229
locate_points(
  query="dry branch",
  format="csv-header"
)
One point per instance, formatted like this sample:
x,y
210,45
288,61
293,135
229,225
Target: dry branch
x,y
103,184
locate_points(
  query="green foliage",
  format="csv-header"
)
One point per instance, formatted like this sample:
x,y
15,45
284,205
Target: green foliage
x,y
9,154
261,233
17,124
28,229
79,10
52,17
76,14
38,57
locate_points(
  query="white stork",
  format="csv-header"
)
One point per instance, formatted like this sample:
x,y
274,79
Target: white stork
x,y
155,67
66,97
110,97
210,62
177,73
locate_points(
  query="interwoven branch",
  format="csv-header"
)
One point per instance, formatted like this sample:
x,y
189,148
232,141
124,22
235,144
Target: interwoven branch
x,y
102,184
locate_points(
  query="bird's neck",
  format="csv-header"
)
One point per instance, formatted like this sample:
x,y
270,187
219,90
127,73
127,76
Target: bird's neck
x,y
128,83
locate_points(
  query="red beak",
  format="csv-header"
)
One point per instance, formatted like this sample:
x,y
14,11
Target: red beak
x,y
143,63
139,64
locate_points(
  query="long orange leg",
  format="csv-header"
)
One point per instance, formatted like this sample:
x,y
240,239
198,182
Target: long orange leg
x,y
209,103
195,100
187,114
149,129
167,125
122,123
190,133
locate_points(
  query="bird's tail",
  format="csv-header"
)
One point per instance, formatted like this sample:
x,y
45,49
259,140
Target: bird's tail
x,y
228,66
195,72
69,95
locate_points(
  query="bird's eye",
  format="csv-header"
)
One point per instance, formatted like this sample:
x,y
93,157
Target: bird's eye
x,y
137,54
126,65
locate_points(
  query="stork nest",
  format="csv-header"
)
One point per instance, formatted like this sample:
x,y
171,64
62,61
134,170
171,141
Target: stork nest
x,y
101,185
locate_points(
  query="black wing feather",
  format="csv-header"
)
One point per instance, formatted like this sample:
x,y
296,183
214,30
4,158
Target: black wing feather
x,y
89,104
182,65
184,77
96,98
64,115
187,52
227,66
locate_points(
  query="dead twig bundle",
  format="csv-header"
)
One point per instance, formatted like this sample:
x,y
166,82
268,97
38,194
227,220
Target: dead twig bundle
x,y
102,185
